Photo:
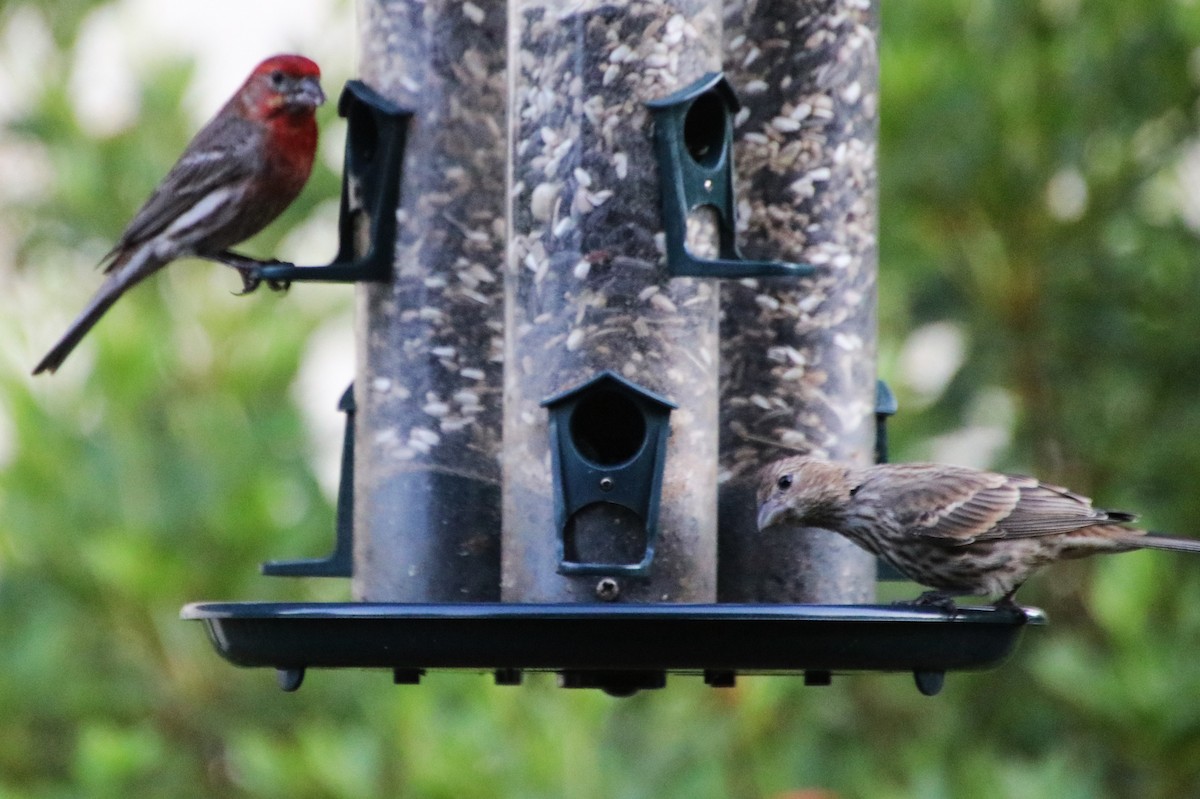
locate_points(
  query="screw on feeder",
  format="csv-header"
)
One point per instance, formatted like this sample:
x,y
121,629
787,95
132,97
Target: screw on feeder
x,y
606,484
608,589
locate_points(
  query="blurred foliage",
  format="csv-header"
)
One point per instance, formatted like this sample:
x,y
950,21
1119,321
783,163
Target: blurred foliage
x,y
1038,193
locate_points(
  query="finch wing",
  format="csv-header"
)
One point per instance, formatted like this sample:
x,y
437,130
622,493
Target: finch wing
x,y
959,506
223,153
1046,509
954,505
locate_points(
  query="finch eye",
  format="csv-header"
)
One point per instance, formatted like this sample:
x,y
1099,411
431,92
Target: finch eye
x,y
784,482
277,79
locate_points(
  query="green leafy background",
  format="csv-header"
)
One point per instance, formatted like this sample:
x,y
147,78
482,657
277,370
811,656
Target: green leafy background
x,y
1039,285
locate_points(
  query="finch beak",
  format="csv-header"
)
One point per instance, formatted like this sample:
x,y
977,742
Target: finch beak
x,y
306,93
769,513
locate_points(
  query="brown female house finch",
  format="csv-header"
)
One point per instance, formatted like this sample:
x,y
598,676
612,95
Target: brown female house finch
x,y
959,531
239,173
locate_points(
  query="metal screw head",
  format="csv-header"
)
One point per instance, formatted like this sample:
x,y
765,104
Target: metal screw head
x,y
606,484
608,589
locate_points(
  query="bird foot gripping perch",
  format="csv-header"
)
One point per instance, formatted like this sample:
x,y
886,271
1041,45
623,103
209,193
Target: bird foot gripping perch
x,y
249,269
376,134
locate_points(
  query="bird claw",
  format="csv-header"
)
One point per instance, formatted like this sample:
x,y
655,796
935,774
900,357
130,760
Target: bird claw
x,y
938,600
252,277
250,280
1007,604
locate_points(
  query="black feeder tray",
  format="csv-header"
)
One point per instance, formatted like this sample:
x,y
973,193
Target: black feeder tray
x,y
618,648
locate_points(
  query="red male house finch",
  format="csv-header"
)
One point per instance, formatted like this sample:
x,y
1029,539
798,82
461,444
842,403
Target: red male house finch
x,y
959,531
239,173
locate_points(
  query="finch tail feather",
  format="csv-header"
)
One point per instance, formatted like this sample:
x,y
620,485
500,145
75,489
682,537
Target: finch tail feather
x,y
1168,542
123,273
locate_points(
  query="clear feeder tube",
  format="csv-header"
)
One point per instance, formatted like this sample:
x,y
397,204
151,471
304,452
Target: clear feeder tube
x,y
587,288
798,356
430,342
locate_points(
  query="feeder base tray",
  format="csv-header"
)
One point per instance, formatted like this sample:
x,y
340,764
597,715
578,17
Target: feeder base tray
x,y
618,648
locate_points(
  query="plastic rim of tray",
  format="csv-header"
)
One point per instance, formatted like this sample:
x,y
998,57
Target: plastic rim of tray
x,y
619,648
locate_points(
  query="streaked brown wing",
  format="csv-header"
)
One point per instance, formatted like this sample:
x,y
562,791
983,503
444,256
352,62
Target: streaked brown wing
x,y
223,153
959,506
1046,509
954,504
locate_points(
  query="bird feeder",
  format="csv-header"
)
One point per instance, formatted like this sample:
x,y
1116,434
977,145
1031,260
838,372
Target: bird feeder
x,y
535,453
